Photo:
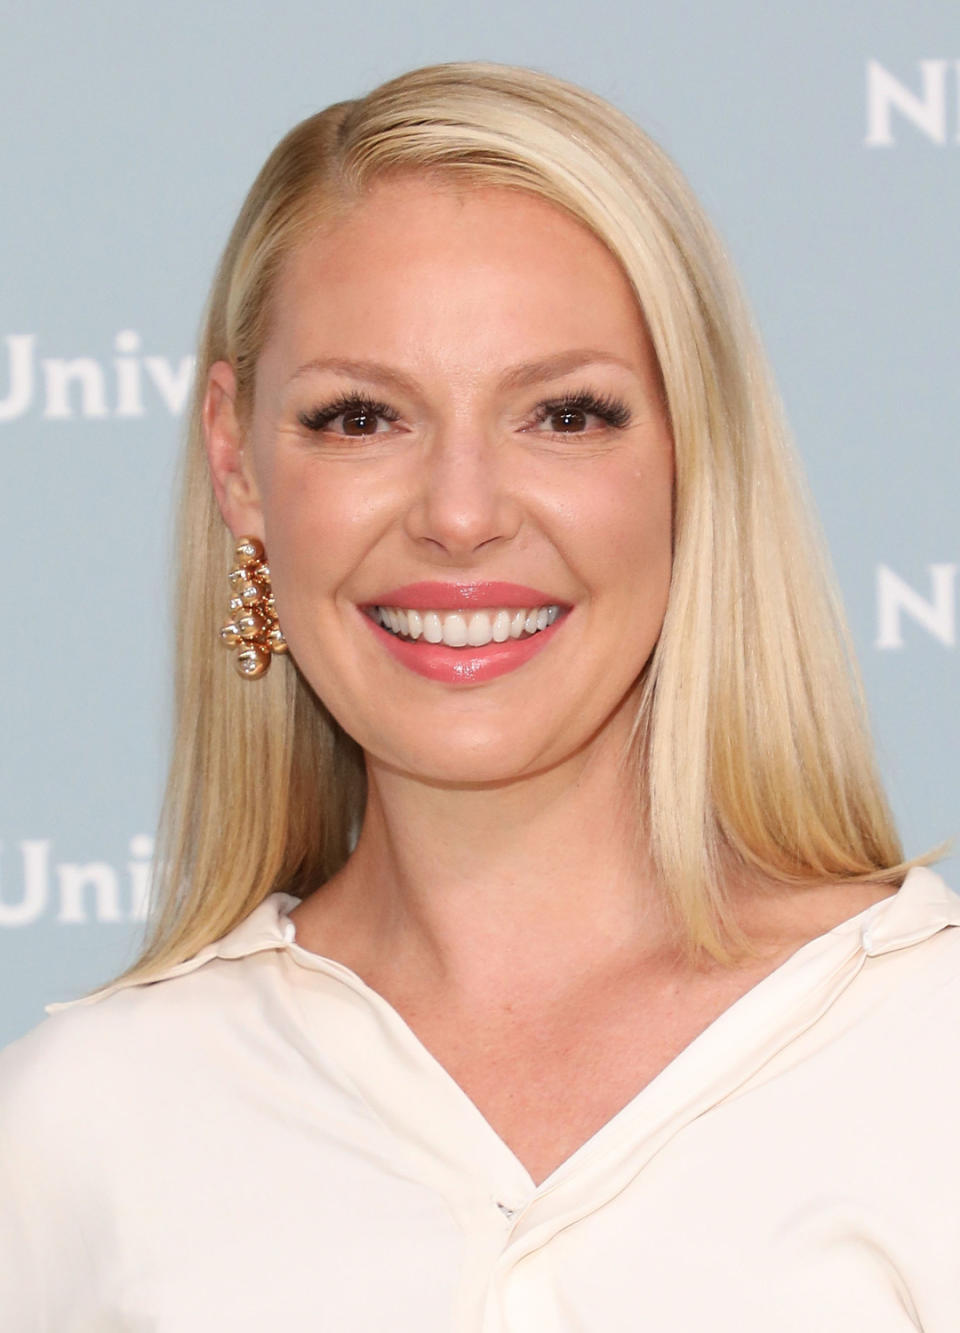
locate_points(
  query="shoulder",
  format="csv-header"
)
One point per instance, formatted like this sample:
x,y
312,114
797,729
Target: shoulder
x,y
897,1027
922,979
101,1059
133,1038
81,1096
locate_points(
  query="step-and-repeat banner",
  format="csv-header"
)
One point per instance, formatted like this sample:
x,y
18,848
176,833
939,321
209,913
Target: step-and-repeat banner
x,y
824,141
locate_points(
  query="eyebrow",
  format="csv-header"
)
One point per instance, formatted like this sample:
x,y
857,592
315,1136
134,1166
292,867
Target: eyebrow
x,y
517,377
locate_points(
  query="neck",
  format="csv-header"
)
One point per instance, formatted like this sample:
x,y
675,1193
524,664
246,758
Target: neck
x,y
494,885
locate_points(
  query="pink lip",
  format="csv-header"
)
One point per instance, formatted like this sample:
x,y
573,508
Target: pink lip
x,y
435,596
463,666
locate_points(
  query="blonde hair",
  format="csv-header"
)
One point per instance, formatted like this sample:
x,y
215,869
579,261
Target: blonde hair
x,y
751,742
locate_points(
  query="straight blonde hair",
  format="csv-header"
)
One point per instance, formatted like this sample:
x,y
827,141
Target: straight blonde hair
x,y
751,751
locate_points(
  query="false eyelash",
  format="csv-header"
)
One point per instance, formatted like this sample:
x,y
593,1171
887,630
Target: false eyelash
x,y
611,410
322,416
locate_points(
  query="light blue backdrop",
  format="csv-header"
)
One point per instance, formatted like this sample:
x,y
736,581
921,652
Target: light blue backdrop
x,y
824,140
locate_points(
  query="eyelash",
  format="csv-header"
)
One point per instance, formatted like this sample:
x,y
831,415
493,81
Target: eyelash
x,y
609,409
322,416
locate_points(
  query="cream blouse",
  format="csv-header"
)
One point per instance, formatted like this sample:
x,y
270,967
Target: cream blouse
x,y
257,1141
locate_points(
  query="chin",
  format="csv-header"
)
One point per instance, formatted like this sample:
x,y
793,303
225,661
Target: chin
x,y
469,758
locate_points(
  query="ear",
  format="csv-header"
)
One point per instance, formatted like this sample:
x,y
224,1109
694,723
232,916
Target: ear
x,y
233,482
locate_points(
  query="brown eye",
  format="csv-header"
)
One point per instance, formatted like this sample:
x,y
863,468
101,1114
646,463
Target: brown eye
x,y
579,413
570,419
359,416
359,421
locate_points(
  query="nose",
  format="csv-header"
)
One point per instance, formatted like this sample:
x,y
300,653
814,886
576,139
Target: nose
x,y
464,498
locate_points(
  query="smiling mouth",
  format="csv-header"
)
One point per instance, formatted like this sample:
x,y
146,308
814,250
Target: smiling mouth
x,y
465,628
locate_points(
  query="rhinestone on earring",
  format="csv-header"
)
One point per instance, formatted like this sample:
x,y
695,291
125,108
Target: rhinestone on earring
x,y
252,628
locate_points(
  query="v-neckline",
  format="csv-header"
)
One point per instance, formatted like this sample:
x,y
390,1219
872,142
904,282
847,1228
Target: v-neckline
x,y
741,1033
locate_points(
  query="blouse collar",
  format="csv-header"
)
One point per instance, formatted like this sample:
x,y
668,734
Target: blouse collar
x,y
922,906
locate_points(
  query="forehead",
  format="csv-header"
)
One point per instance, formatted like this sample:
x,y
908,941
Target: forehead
x,y
425,262
407,215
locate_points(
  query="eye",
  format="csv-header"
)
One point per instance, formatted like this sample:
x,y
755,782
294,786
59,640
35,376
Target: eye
x,y
570,414
360,415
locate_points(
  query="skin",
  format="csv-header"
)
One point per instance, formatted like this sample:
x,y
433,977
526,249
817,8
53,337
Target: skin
x,y
498,896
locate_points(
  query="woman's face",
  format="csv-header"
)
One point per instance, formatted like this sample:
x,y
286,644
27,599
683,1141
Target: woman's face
x,y
502,450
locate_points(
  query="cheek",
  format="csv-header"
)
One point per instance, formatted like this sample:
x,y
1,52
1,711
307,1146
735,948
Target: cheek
x,y
625,530
314,535
320,514
628,564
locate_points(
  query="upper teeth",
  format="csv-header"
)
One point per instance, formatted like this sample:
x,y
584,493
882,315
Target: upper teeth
x,y
457,629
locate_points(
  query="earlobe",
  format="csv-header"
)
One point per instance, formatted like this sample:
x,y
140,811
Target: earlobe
x,y
230,474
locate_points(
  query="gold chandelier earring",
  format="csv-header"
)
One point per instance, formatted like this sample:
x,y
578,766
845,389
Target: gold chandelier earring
x,y
252,628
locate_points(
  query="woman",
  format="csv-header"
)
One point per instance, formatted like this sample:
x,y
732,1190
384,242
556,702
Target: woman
x,y
532,947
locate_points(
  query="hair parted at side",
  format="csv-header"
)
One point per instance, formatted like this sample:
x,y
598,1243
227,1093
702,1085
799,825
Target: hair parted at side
x,y
751,741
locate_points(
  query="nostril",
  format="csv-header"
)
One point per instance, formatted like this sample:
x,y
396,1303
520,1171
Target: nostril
x,y
464,517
